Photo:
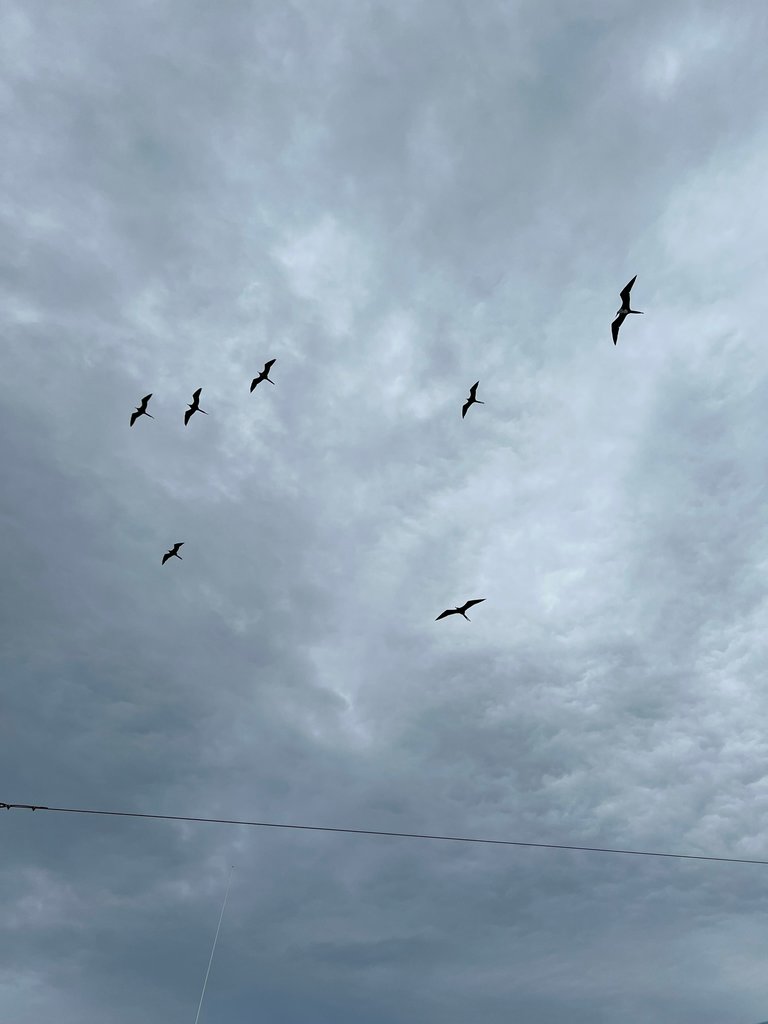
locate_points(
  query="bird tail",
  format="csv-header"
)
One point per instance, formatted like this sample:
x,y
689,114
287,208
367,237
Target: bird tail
x,y
149,414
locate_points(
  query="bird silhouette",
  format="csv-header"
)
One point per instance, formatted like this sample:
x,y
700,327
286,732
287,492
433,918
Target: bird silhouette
x,y
173,553
471,400
460,611
141,410
194,406
264,375
624,311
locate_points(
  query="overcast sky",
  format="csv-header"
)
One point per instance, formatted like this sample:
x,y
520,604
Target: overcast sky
x,y
393,199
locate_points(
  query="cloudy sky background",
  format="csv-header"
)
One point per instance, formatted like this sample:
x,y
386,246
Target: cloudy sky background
x,y
393,199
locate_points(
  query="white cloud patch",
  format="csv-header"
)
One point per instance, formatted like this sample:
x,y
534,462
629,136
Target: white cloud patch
x,y
327,267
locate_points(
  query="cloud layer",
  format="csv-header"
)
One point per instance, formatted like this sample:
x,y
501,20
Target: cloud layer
x,y
393,200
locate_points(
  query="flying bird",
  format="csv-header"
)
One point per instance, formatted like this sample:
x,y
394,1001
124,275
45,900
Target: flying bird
x,y
471,400
264,375
174,552
460,611
194,406
622,314
141,410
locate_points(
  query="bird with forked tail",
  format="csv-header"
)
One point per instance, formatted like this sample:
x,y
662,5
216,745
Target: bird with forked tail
x,y
472,400
624,311
462,610
173,553
141,410
194,406
264,375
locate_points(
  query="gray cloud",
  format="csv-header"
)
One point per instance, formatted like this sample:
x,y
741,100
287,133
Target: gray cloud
x,y
393,200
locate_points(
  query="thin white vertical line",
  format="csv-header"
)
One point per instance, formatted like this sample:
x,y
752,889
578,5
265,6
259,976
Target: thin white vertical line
x,y
213,947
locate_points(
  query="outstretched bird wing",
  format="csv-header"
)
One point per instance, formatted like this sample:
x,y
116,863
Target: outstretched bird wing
x,y
135,416
626,290
187,414
268,366
464,408
473,391
254,382
178,545
145,399
616,325
448,611
166,556
196,394
468,604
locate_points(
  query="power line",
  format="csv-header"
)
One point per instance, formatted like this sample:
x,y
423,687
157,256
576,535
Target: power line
x,y
378,832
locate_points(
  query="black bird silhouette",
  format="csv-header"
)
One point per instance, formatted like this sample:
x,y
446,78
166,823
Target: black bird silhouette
x,y
471,400
174,552
141,410
622,314
264,375
194,406
460,611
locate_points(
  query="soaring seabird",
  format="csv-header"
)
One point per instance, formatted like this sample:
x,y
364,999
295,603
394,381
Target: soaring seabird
x,y
194,406
264,375
471,400
141,410
460,611
174,552
622,314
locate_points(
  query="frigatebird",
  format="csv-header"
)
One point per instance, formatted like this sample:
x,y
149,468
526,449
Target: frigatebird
x,y
471,400
174,552
141,410
264,375
194,406
460,611
622,314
